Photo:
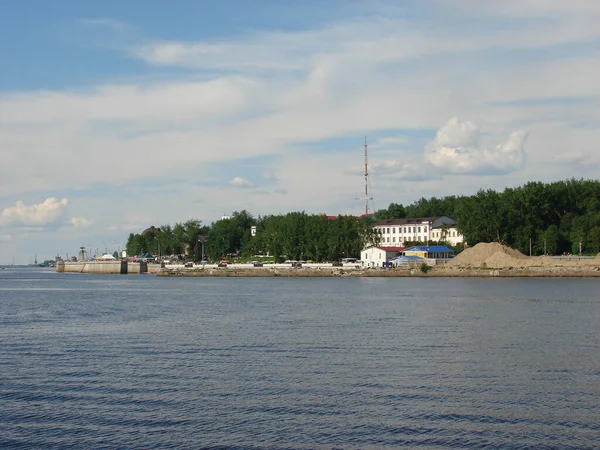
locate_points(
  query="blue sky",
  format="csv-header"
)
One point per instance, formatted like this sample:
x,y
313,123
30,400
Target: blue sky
x,y
118,115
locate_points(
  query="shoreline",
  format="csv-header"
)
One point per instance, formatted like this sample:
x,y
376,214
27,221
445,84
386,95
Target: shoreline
x,y
441,272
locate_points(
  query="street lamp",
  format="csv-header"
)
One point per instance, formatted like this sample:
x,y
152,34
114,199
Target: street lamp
x,y
158,243
202,240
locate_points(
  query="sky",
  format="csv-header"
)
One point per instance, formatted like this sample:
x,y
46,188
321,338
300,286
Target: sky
x,y
119,115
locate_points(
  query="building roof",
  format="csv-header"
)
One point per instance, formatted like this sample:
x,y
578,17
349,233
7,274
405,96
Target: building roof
x,y
443,221
430,249
392,249
408,258
407,221
436,222
152,229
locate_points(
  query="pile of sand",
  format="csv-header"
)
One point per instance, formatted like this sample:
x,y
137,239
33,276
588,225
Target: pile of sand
x,y
497,256
492,255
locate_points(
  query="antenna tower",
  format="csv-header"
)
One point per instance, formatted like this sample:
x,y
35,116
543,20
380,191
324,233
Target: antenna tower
x,y
367,197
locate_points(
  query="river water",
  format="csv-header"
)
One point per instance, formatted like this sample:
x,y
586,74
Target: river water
x,y
140,362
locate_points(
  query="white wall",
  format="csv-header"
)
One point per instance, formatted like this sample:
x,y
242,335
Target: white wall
x,y
453,236
398,235
373,257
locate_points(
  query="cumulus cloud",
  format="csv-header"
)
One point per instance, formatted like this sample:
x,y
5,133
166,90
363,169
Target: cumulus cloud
x,y
457,149
80,222
45,213
239,182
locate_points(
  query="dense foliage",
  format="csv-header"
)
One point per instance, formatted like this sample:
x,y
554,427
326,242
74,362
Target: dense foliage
x,y
559,217
166,240
555,218
296,236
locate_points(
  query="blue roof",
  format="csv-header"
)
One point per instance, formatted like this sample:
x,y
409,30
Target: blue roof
x,y
408,258
430,249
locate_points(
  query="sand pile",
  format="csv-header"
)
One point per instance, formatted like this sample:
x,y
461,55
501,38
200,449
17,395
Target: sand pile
x,y
497,256
492,255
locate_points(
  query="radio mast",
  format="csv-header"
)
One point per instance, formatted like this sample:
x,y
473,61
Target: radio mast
x,y
367,197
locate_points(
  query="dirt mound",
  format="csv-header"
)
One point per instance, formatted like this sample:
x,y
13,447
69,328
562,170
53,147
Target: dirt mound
x,y
490,255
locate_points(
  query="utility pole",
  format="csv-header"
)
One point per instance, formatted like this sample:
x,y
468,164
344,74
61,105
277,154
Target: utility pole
x,y
367,197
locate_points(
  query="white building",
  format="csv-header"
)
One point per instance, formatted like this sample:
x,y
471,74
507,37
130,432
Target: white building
x,y
396,232
378,256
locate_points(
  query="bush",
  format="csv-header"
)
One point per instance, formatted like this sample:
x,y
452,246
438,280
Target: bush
x,y
424,267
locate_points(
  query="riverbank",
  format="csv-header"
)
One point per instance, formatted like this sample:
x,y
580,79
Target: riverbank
x,y
482,260
529,272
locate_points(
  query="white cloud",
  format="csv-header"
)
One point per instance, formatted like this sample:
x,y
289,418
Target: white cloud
x,y
457,149
239,182
269,175
48,212
80,222
6,238
130,104
409,170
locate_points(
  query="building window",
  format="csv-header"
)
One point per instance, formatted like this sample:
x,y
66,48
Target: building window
x,y
419,229
394,239
388,231
394,230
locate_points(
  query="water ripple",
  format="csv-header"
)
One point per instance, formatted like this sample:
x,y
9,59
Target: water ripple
x,y
149,363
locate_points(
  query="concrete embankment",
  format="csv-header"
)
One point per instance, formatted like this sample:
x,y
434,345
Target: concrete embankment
x,y
541,272
102,267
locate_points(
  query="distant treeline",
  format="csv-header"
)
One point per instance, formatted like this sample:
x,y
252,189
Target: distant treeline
x,y
555,218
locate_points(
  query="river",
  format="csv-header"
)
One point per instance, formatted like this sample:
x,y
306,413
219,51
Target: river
x,y
143,362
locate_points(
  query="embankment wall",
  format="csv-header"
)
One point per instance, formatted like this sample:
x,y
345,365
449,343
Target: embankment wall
x,y
101,267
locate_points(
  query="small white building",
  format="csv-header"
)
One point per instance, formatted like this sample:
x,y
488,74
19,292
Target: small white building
x,y
379,256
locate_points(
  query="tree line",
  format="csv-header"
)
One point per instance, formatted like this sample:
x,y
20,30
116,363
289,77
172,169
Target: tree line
x,y
295,236
558,217
554,218
182,238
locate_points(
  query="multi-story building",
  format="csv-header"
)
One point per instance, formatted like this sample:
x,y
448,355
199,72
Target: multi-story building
x,y
396,232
